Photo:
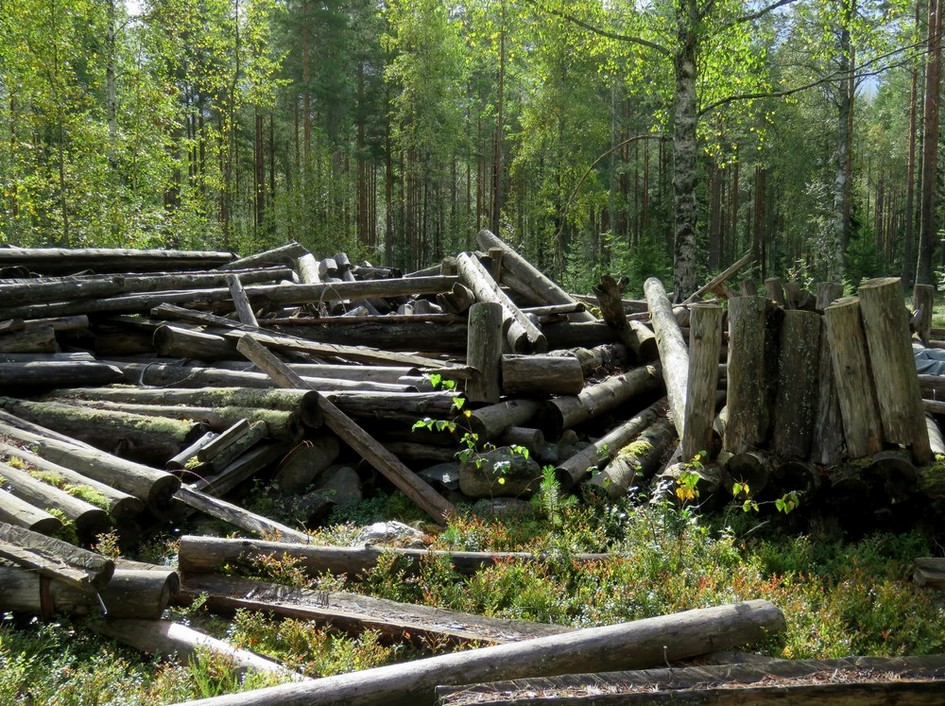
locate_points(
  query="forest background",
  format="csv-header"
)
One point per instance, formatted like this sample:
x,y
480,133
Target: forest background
x,y
655,137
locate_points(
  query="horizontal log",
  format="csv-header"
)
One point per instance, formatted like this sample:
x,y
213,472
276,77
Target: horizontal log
x,y
38,339
541,375
642,643
57,374
52,261
56,559
20,513
236,516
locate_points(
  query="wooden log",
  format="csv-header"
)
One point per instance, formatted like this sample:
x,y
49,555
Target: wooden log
x,y
150,485
592,360
176,342
923,303
128,594
827,294
55,559
89,519
307,267
634,462
57,373
122,507
523,436
753,469
827,445
203,555
705,343
169,639
724,275
456,301
647,642
39,339
568,334
747,288
673,353
20,513
355,613
746,374
886,327
774,290
797,392
283,255
484,352
546,291
585,462
189,455
501,472
541,375
224,440
563,413
237,516
936,440
493,421
358,373
353,435
51,261
71,289
634,335
929,571
302,466
522,335
240,469
135,435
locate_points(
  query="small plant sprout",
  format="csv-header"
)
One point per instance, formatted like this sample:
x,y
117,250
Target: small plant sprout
x,y
739,489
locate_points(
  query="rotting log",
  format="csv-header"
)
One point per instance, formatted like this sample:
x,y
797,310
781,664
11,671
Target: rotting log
x,y
638,644
543,289
224,440
634,462
355,613
859,409
633,334
484,352
169,639
522,335
236,516
494,420
797,393
352,434
122,507
18,512
674,356
576,468
746,374
57,373
563,413
128,594
541,375
150,485
204,555
307,267
886,326
705,344
56,559
753,469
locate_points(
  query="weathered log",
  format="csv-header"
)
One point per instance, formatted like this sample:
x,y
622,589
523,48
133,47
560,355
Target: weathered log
x,y
708,484
674,356
237,516
929,571
541,375
49,261
57,373
89,519
724,275
128,594
353,435
492,422
176,342
255,433
502,472
774,290
855,387
634,462
203,555
576,468
797,393
169,639
355,373
355,613
136,435
55,559
20,513
936,440
705,343
563,413
240,469
746,374
307,267
45,357
484,352
418,453
189,455
605,356
38,339
827,445
302,466
121,506
747,288
546,291
523,436
568,334
642,643
522,335
827,294
923,302
150,485
62,289
224,440
753,469
283,255
428,333
456,301
886,325
403,407
633,334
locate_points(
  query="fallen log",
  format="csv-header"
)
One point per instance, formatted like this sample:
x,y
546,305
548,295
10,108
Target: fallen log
x,y
634,462
283,255
176,342
592,360
633,334
236,516
493,421
541,375
428,333
50,261
240,469
720,278
39,339
22,514
568,334
673,353
38,375
55,559
642,643
354,613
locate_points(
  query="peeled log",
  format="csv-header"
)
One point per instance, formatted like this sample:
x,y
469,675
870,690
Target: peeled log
x,y
705,343
541,375
643,643
798,367
674,355
20,513
744,428
484,352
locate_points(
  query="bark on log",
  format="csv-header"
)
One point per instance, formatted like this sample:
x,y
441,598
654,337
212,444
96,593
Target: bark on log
x,y
55,559
429,333
52,261
634,335
638,644
568,334
353,435
176,342
493,421
20,513
827,445
522,335
636,461
150,485
746,374
564,412
456,301
705,344
798,366
58,373
543,288
541,375
484,352
886,325
575,469
39,339
355,613
606,356
855,387
237,516
673,353
129,594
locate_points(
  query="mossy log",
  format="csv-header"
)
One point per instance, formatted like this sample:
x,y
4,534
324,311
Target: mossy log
x,y
56,559
635,462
